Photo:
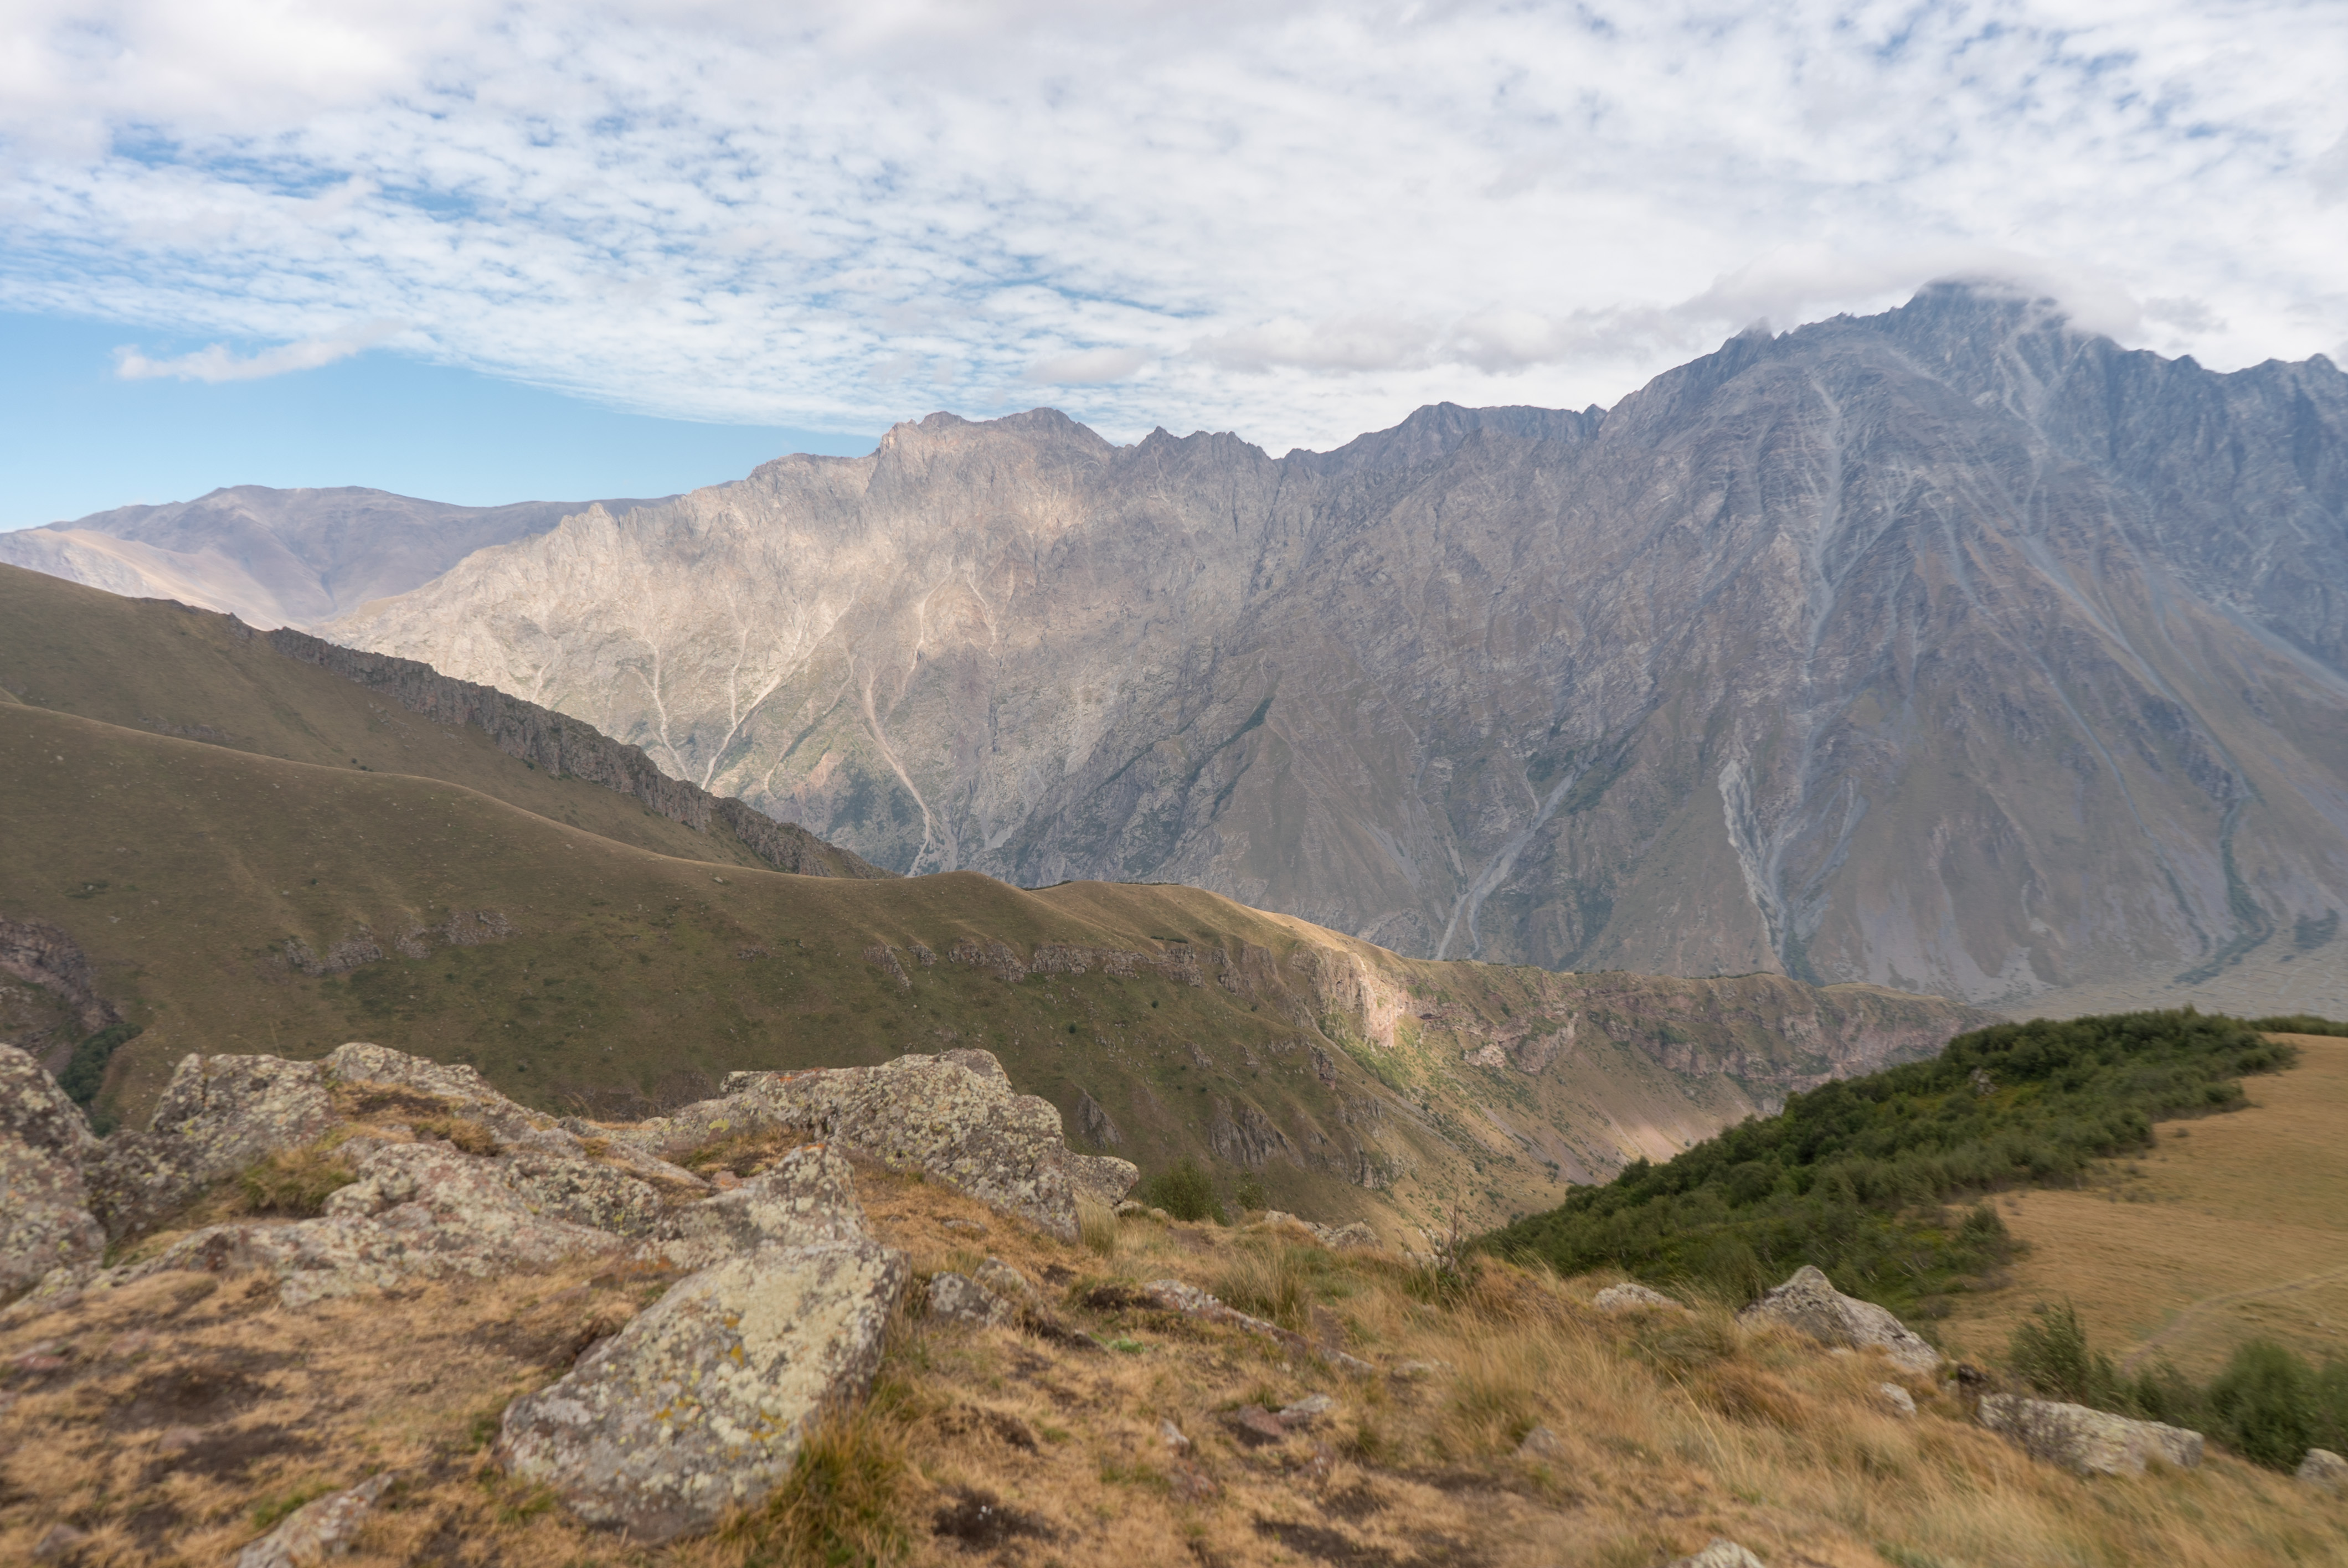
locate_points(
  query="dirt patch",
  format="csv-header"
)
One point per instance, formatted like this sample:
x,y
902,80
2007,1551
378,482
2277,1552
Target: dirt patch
x,y
982,1521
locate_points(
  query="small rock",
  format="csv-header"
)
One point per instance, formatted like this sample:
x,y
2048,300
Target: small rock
x,y
61,1542
1634,1297
316,1531
1419,1371
1255,1426
1358,1234
957,1299
1809,1302
1171,1436
968,1227
1305,1411
1722,1552
1192,1484
1902,1402
1126,1210
175,1441
2322,1468
725,1181
1542,1444
1006,1282
2092,1442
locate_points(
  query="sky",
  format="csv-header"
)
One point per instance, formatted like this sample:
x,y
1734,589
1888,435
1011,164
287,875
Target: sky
x,y
491,250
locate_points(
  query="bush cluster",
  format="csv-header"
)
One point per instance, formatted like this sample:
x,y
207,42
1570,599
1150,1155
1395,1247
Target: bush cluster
x,y
1853,1177
1186,1190
2269,1405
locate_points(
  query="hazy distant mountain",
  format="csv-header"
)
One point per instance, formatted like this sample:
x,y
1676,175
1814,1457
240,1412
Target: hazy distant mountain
x,y
278,558
1950,649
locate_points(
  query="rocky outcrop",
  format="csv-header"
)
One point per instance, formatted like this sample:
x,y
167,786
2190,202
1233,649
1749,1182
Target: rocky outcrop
x,y
958,1299
2090,1442
1240,1132
45,956
1189,1301
1809,1304
218,1115
701,1402
566,747
45,1219
953,1117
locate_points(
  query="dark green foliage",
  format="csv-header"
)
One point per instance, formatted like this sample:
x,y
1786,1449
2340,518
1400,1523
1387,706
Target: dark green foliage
x,y
2269,1405
2051,1354
85,1074
1851,1177
2300,1023
1185,1190
1250,1192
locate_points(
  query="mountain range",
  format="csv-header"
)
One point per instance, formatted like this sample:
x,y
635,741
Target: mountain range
x,y
1951,648
277,558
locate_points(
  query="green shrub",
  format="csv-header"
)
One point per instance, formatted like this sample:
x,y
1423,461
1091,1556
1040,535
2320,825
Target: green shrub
x,y
1851,1177
2051,1354
85,1072
2300,1023
1185,1190
2270,1406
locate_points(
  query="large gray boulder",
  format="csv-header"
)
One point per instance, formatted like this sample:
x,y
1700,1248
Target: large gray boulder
x,y
808,1198
2323,1469
702,1402
1808,1302
218,1115
2090,1442
45,1223
461,1089
417,1210
953,1117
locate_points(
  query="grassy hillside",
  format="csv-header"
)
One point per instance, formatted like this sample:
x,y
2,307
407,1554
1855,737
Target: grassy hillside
x,y
1853,1176
2226,1229
150,665
580,951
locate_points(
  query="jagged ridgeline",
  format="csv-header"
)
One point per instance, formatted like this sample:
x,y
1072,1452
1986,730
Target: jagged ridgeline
x,y
1859,1176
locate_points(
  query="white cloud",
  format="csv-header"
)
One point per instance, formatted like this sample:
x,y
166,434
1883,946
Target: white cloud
x,y
218,363
1302,218
1089,367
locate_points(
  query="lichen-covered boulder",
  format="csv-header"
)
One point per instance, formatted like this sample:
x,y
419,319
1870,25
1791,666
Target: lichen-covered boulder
x,y
958,1299
700,1403
953,1116
45,1223
2090,1442
462,1089
218,1115
809,1197
1103,1179
1809,1302
417,1210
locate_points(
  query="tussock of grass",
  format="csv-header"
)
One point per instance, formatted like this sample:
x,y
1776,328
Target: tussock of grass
x,y
844,1505
745,1155
1096,1227
295,1182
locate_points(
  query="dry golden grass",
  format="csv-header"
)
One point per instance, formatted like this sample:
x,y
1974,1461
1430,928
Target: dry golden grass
x,y
1019,1447
2235,1226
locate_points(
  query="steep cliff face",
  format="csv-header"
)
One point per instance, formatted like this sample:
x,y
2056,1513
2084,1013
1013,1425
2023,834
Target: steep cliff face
x,y
1949,649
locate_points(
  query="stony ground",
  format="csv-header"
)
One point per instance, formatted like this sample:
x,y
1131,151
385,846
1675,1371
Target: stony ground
x,y
1501,1420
